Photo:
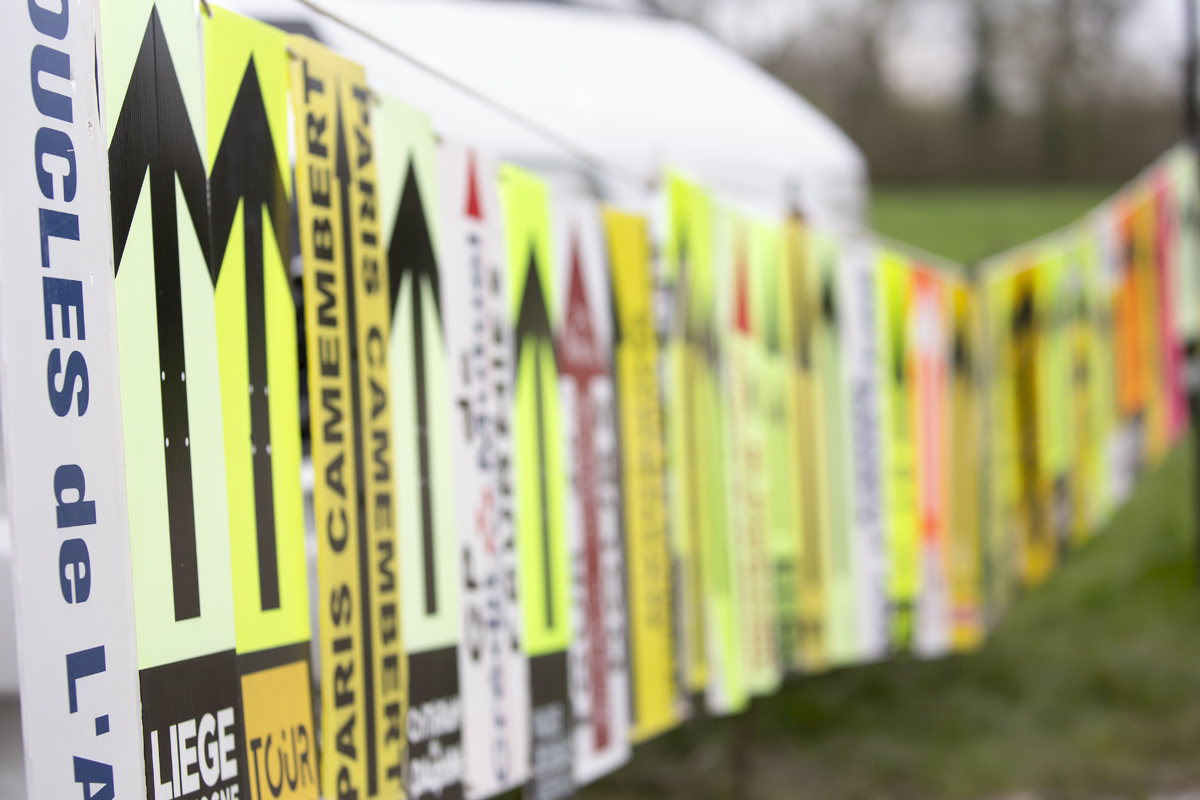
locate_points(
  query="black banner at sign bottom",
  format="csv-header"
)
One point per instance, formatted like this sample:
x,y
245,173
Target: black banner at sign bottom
x,y
435,726
193,739
552,776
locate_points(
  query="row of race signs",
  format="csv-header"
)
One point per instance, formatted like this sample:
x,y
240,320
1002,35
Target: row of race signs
x,y
566,487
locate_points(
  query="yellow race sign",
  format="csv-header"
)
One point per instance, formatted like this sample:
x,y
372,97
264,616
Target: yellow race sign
x,y
803,408
654,671
962,448
347,321
1000,549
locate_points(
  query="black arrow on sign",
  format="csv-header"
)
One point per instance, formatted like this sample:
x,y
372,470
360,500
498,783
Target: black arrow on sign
x,y
533,324
246,169
689,327
153,133
410,254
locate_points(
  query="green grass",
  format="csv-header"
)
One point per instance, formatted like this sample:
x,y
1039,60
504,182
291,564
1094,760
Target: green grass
x,y
1089,688
970,223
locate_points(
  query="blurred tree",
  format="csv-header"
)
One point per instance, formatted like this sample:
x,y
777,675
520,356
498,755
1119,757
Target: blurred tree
x,y
1077,78
982,101
1046,95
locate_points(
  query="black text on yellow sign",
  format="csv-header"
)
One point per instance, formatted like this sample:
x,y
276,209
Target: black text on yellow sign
x,y
363,670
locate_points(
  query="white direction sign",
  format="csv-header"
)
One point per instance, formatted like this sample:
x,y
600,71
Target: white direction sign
x,y
59,391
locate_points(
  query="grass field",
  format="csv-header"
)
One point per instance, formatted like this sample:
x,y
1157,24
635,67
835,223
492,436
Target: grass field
x,y
970,223
1089,688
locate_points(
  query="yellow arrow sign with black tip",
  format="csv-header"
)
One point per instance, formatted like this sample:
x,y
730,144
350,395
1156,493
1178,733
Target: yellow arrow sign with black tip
x,y
545,577
894,292
695,466
246,74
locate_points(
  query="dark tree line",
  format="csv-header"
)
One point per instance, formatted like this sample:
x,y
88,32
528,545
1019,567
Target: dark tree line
x,y
1049,96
